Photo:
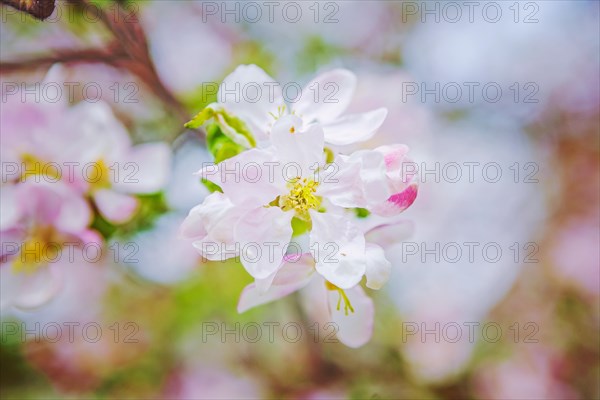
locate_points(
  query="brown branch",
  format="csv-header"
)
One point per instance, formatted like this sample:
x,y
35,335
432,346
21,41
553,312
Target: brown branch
x,y
129,51
65,57
40,9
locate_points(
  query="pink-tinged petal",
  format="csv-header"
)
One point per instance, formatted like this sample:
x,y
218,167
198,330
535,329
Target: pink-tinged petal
x,y
41,201
394,156
75,213
378,267
80,296
290,277
89,236
326,97
38,288
10,242
115,207
386,235
10,209
397,202
251,94
373,178
144,169
296,144
252,178
263,235
338,248
399,168
354,128
355,328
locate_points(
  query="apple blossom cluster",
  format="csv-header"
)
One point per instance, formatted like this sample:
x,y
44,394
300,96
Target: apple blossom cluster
x,y
64,166
287,199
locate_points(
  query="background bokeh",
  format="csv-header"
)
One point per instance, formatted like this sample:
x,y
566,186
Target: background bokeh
x,y
153,60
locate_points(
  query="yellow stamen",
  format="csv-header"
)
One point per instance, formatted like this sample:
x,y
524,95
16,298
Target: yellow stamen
x,y
99,176
34,166
40,249
302,196
342,294
280,112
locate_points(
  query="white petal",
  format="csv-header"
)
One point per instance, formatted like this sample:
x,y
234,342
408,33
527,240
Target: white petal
x,y
378,267
252,178
297,145
356,328
263,235
290,277
326,97
193,225
341,184
338,248
373,176
354,128
251,94
211,227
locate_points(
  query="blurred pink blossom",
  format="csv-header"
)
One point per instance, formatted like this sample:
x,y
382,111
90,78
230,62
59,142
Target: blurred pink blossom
x,y
37,220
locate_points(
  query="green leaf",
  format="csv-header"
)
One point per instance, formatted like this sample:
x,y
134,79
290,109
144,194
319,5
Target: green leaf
x,y
200,118
230,125
212,187
220,145
227,150
238,126
213,137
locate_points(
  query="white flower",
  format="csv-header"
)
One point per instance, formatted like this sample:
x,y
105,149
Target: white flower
x,y
250,94
265,189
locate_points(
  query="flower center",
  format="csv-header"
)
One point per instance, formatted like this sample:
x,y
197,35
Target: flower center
x,y
40,249
34,166
98,176
301,197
